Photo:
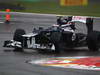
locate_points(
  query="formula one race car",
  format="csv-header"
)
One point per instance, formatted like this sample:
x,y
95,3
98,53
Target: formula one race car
x,y
57,37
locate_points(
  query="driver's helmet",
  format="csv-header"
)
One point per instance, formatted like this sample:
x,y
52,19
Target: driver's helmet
x,y
61,20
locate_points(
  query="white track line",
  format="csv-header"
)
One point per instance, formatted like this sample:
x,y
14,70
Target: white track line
x,y
24,13
1,22
44,14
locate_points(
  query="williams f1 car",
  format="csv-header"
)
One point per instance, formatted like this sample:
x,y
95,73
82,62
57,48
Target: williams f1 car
x,y
57,37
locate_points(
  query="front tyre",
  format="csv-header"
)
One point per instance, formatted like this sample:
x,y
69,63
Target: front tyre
x,y
18,37
55,39
57,48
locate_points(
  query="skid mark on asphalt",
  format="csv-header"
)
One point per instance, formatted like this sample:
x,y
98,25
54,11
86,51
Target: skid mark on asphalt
x,y
86,63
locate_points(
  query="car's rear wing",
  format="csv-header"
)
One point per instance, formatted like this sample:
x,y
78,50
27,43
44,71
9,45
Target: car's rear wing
x,y
87,20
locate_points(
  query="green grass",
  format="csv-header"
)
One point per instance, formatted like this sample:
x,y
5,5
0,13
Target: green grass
x,y
55,8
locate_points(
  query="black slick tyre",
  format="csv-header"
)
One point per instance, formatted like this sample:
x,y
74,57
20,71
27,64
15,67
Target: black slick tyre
x,y
93,40
55,39
18,37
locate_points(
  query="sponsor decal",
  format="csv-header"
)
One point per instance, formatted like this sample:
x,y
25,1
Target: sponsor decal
x,y
73,2
87,63
79,18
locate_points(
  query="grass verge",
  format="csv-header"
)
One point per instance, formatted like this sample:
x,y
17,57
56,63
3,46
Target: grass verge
x,y
55,8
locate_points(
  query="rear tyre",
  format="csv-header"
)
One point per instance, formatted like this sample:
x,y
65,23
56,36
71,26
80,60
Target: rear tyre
x,y
93,40
18,37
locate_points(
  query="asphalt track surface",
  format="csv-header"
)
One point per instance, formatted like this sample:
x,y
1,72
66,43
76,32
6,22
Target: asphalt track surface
x,y
15,63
